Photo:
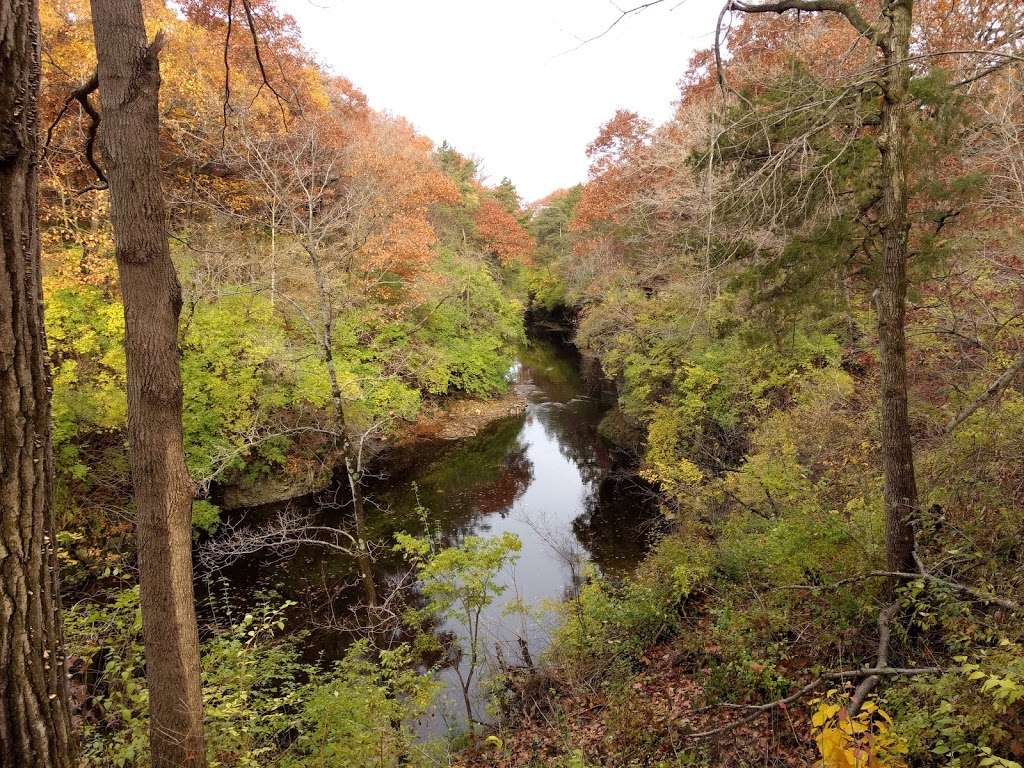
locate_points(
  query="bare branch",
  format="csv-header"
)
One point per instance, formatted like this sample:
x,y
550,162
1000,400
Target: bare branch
x,y
978,594
282,536
81,95
869,683
623,15
994,389
251,19
227,77
848,9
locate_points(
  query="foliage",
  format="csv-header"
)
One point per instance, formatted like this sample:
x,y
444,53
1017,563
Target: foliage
x,y
459,584
463,578
466,341
263,705
609,624
361,714
865,740
967,716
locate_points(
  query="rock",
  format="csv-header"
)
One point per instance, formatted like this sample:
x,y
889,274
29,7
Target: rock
x,y
275,489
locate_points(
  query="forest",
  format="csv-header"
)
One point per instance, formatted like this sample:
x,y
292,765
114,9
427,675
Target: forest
x,y
322,448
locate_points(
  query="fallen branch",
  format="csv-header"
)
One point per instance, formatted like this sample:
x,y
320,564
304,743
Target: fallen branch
x,y
869,683
979,594
760,709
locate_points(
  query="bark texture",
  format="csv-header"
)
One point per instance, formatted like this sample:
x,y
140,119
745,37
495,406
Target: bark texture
x,y
897,449
35,726
129,78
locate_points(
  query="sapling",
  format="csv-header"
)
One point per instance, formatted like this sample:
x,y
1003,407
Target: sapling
x,y
460,583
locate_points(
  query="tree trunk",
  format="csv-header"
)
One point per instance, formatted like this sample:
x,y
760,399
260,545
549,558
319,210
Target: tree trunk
x,y
897,450
353,473
891,34
129,77
35,726
353,464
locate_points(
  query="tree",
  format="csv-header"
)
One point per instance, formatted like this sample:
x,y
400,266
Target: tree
x,y
129,80
890,34
35,723
348,196
501,234
461,583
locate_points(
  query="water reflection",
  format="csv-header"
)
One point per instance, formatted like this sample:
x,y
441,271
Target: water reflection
x,y
543,475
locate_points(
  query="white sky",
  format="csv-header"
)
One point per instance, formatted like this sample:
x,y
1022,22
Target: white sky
x,y
498,78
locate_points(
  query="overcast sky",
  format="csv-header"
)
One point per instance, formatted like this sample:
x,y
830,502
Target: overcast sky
x,y
499,79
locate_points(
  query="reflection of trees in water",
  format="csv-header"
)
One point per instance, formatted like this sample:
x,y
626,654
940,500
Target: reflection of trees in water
x,y
572,390
573,428
457,485
552,367
479,476
461,484
501,493
619,523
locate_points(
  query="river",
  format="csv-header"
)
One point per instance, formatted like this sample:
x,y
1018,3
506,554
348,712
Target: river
x,y
545,475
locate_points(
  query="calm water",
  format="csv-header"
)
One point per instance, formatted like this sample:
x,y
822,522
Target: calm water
x,y
544,475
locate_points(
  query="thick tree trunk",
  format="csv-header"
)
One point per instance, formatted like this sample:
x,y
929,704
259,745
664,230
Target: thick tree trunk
x,y
35,726
897,450
129,78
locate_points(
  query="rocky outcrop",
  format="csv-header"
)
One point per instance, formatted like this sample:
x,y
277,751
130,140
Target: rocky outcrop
x,y
453,419
276,488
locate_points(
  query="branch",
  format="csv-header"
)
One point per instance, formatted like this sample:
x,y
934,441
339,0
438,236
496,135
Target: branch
x,y
760,709
868,684
283,535
719,69
844,7
81,95
250,17
623,13
227,77
994,389
986,597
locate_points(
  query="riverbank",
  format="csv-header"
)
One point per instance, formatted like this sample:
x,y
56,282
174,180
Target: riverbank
x,y
460,418
454,418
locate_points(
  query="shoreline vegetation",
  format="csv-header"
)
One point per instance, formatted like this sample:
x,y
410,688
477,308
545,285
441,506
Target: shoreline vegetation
x,y
798,307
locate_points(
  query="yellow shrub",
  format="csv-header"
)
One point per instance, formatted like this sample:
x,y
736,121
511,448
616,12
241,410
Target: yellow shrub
x,y
863,741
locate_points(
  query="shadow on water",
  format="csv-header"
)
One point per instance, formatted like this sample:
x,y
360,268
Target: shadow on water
x,y
545,475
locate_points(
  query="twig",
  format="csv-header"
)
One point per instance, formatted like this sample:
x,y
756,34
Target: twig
x,y
623,14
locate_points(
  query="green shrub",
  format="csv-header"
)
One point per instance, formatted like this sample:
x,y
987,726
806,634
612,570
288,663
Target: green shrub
x,y
615,623
263,706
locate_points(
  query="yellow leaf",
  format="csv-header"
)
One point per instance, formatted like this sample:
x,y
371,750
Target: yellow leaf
x,y
825,713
